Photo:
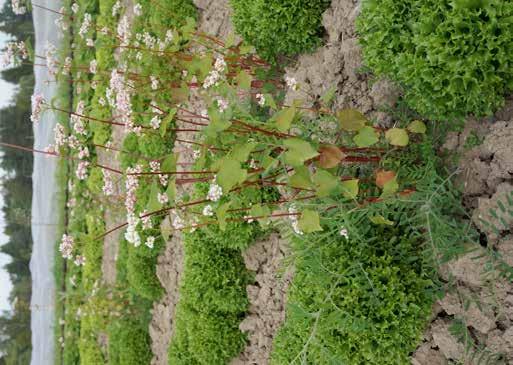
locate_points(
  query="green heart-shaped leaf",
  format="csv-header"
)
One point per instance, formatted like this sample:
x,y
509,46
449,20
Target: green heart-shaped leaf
x,y
366,137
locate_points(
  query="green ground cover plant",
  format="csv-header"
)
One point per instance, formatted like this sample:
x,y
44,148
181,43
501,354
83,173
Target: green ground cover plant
x,y
279,27
452,58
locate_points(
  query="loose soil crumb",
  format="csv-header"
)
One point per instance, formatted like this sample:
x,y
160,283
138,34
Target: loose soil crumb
x,y
267,296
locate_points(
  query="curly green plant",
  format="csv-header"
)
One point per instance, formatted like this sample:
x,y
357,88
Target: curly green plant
x,y
279,26
452,58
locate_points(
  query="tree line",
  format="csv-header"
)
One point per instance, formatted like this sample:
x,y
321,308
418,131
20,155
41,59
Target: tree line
x,y
16,188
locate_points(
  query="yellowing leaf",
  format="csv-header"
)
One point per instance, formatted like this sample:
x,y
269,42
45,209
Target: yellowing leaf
x,y
380,220
383,176
390,188
284,118
309,222
350,188
366,137
417,127
397,137
330,156
351,120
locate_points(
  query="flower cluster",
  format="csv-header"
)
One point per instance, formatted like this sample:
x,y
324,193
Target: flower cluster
x,y
261,99
215,192
76,119
214,76
17,8
61,22
292,83
52,62
81,171
93,66
132,183
59,133
13,51
66,246
124,32
150,241
222,104
37,107
86,23
208,211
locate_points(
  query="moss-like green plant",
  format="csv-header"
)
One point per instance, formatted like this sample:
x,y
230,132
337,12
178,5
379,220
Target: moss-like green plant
x,y
129,344
141,275
279,26
212,296
452,58
362,300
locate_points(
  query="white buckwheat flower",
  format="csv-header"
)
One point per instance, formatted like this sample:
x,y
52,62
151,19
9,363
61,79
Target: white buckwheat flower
x,y
344,233
80,260
162,198
93,66
215,192
222,104
150,241
81,171
261,99
154,82
37,107
292,83
208,211
138,9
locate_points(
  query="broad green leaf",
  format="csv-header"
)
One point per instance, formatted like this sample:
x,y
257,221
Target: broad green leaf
x,y
269,163
380,220
244,80
397,137
230,40
241,152
166,121
153,202
350,188
417,127
171,189
298,152
390,188
284,118
245,49
169,163
309,222
366,137
351,120
221,214
263,212
218,122
230,174
269,100
325,183
301,178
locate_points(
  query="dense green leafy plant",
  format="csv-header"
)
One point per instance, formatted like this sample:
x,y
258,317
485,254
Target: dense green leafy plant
x,y
452,58
129,343
279,26
212,296
358,297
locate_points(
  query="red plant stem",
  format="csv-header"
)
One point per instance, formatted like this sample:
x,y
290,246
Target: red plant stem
x,y
174,173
